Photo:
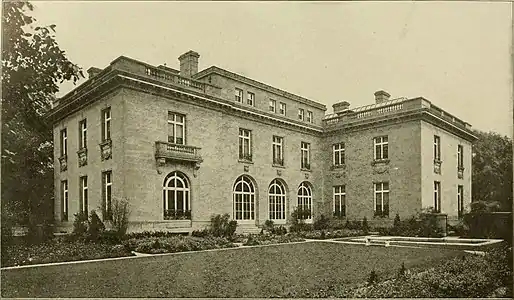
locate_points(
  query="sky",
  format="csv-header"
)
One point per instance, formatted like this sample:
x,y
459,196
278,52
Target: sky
x,y
455,54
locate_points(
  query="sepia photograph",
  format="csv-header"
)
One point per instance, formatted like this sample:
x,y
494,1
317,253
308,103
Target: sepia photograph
x,y
276,149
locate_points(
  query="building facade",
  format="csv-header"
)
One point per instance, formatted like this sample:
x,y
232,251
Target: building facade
x,y
182,145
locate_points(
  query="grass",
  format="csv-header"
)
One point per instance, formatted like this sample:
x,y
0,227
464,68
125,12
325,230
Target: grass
x,y
252,272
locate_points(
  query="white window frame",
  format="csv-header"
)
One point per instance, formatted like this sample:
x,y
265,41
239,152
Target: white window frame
x,y
174,122
177,177
278,150
238,94
84,199
460,200
460,156
310,117
83,134
338,154
245,149
437,196
64,200
339,201
282,108
246,199
381,189
272,105
250,98
305,155
64,142
437,148
106,124
382,143
107,194
277,202
301,114
305,199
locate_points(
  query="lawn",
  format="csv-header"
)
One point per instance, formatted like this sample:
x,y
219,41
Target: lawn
x,y
248,272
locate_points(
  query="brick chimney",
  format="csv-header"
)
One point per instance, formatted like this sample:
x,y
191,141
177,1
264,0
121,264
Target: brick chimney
x,y
381,96
341,107
93,71
189,63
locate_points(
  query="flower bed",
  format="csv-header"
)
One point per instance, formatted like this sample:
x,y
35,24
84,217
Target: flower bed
x,y
173,244
268,239
331,234
57,250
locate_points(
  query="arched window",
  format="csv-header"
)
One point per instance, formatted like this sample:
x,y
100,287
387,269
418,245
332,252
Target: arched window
x,y
176,195
244,199
277,201
305,201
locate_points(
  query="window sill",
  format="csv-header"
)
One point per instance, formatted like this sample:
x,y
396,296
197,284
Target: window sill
x,y
305,170
380,217
278,166
106,142
380,161
338,167
279,221
244,161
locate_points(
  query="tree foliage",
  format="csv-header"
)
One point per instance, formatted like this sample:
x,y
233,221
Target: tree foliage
x,y
492,171
33,66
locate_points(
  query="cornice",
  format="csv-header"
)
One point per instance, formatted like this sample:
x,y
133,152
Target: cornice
x,y
258,84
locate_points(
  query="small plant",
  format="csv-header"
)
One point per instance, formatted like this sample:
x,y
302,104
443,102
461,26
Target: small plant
x,y
120,214
402,272
365,226
373,277
222,226
321,223
80,224
269,226
397,221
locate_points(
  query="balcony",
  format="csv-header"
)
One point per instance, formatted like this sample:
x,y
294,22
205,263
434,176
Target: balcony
x,y
437,166
176,152
63,161
460,172
106,149
82,157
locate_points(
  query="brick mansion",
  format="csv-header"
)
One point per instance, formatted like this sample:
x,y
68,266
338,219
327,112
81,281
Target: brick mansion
x,y
183,144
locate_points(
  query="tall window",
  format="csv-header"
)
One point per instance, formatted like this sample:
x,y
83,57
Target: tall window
x,y
305,201
301,114
282,108
305,155
382,199
460,201
381,147
272,105
460,157
245,144
310,118
437,148
106,124
107,195
239,95
64,142
338,150
277,201
83,195
340,201
250,100
176,193
278,150
64,200
176,128
83,134
244,199
437,196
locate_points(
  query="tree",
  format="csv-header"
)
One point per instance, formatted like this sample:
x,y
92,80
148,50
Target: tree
x,y
33,66
492,171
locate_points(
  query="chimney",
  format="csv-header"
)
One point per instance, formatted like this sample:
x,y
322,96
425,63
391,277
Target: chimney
x,y
381,96
341,107
189,63
93,71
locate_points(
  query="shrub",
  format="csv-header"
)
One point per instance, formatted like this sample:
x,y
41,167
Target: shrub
x,y
80,224
397,221
201,232
95,228
280,230
373,277
269,225
222,226
120,214
365,226
109,237
321,223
